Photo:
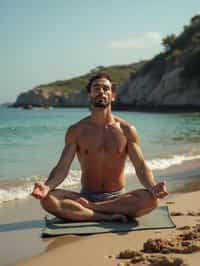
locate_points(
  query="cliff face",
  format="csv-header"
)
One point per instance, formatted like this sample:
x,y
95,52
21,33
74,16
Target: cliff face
x,y
168,90
45,98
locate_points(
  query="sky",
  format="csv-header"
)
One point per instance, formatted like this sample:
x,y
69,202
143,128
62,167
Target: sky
x,y
46,40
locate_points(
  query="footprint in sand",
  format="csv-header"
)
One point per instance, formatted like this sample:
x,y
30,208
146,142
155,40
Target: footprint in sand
x,y
186,227
170,202
177,213
189,213
192,213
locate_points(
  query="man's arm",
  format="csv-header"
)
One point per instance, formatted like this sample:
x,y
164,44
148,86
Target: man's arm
x,y
61,170
143,171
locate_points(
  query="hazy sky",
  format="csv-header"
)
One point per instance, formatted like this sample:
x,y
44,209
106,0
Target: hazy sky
x,y
47,40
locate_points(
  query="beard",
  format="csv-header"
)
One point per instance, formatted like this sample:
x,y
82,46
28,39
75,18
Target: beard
x,y
101,103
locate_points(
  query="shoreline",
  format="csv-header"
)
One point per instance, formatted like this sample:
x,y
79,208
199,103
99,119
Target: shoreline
x,y
126,108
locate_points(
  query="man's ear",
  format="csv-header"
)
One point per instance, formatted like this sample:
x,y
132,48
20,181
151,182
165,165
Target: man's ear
x,y
113,96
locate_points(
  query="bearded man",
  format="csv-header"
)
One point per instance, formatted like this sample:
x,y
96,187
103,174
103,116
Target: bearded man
x,y
102,143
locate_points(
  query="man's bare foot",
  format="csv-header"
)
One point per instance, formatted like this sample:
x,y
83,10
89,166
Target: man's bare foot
x,y
86,203
111,217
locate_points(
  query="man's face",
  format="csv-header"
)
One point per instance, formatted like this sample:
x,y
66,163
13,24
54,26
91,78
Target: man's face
x,y
101,94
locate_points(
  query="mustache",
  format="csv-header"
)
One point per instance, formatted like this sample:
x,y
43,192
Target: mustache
x,y
100,96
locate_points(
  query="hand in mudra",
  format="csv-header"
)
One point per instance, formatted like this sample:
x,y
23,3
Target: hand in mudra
x,y
159,190
40,190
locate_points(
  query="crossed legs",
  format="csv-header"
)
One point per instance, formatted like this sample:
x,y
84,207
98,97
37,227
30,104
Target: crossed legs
x,y
70,205
67,205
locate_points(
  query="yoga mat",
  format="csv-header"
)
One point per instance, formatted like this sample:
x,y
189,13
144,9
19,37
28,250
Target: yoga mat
x,y
157,219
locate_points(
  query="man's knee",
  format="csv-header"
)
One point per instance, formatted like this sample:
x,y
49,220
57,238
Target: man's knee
x,y
155,202
50,203
152,201
53,199
147,205
146,199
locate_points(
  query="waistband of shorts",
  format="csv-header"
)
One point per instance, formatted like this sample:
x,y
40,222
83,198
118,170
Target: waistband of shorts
x,y
118,192
98,196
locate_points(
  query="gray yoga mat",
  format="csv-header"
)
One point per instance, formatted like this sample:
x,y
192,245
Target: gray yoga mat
x,y
157,219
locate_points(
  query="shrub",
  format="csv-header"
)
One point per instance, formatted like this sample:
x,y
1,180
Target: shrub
x,y
195,19
169,41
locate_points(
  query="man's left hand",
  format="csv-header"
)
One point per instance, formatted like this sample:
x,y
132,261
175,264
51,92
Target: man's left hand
x,y
159,190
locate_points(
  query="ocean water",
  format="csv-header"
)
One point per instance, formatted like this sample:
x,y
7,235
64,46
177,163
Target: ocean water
x,y
31,142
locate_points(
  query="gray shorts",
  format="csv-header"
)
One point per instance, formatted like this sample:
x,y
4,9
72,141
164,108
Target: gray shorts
x,y
94,196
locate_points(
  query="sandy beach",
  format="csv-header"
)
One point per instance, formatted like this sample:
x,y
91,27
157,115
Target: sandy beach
x,y
22,222
21,242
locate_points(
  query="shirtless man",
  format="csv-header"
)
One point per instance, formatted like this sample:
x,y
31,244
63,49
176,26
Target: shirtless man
x,y
102,143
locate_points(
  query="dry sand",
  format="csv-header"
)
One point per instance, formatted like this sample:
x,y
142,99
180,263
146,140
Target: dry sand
x,y
20,239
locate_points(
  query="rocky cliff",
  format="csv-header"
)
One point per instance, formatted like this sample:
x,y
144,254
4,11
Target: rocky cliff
x,y
171,80
170,89
38,97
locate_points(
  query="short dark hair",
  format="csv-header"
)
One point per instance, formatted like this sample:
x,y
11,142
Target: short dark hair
x,y
101,75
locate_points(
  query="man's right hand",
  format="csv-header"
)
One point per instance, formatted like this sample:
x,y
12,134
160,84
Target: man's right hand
x,y
40,190
159,190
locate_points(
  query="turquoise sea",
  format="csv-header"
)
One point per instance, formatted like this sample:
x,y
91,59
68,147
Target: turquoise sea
x,y
31,142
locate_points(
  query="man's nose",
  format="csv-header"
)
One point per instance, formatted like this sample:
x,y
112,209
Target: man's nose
x,y
101,90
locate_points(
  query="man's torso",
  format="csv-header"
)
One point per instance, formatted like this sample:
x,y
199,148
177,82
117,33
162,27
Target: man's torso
x,y
102,151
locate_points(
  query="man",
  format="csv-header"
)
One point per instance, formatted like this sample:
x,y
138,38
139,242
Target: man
x,y
102,143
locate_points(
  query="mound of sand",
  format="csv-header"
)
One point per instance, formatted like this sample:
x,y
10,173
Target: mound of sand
x,y
186,242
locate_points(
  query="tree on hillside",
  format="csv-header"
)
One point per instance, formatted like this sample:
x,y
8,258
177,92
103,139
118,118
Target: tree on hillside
x,y
195,19
168,42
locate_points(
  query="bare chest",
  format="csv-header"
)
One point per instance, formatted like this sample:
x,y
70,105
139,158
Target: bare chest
x,y
102,140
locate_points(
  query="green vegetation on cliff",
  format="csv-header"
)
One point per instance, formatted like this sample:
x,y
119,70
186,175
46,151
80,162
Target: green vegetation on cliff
x,y
119,73
183,49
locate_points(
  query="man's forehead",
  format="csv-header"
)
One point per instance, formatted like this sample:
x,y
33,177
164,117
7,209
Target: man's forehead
x,y
101,81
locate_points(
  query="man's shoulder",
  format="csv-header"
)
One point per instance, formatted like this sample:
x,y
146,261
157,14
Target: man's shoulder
x,y
74,128
128,129
124,124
